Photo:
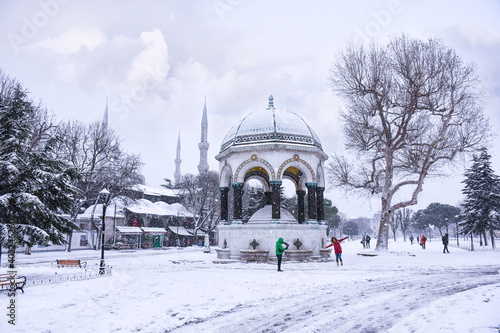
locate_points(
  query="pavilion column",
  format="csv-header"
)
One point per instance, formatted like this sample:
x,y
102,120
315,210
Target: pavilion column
x,y
276,200
238,191
319,204
311,202
224,191
268,197
302,206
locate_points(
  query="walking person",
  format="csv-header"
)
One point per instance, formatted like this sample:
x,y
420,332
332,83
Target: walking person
x,y
367,240
422,241
338,249
363,241
445,243
279,251
411,240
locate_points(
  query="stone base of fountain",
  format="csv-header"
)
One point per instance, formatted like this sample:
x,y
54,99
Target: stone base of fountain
x,y
222,253
239,241
298,255
254,255
324,254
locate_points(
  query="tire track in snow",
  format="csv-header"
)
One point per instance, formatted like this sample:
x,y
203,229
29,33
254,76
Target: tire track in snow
x,y
375,306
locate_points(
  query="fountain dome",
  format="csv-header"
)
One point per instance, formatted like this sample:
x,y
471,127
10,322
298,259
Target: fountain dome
x,y
270,126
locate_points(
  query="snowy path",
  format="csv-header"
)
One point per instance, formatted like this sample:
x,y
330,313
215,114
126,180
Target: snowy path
x,y
372,305
184,291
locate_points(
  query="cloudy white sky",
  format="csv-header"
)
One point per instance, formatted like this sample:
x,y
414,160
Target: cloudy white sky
x,y
155,61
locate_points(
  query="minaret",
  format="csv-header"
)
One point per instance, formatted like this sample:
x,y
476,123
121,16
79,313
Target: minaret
x,y
203,145
105,118
177,174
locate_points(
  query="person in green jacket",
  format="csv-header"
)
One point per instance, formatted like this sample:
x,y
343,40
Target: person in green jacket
x,y
279,251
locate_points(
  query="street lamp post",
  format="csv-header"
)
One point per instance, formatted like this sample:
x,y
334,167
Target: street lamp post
x,y
104,196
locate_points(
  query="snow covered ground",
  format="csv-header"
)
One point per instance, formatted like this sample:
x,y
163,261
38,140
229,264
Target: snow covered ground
x,y
182,290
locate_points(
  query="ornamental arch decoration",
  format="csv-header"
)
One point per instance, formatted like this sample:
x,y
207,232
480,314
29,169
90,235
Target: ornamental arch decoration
x,y
253,161
300,164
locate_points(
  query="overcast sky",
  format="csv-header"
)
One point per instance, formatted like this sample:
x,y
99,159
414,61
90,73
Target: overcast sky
x,y
155,61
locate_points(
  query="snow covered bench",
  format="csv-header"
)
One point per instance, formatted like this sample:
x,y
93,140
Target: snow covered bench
x,y
8,279
71,263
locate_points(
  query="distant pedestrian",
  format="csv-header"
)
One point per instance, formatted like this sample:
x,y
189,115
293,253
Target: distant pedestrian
x,y
422,241
338,249
445,243
279,251
411,240
367,240
363,241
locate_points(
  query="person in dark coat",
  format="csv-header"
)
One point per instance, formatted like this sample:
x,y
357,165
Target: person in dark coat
x,y
367,240
445,243
338,249
411,240
279,251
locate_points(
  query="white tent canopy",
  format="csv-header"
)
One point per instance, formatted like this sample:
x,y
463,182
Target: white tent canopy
x,y
129,230
144,206
151,230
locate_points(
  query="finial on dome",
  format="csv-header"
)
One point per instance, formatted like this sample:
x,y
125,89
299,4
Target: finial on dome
x,y
271,103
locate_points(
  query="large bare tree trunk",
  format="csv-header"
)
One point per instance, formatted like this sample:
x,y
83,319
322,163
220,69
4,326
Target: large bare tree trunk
x,y
383,230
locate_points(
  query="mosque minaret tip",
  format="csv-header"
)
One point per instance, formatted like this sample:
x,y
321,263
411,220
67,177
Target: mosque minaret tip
x,y
203,145
105,118
177,174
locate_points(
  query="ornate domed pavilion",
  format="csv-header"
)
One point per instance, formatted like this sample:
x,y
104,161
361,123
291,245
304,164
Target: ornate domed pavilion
x,y
271,145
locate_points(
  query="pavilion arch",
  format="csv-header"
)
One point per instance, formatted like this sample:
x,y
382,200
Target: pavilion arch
x,y
302,165
264,183
320,172
251,163
301,186
226,174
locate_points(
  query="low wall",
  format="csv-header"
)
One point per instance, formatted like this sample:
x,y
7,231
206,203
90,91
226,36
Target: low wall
x,y
239,236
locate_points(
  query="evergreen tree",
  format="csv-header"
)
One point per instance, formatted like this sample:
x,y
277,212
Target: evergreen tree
x,y
482,201
350,229
441,216
35,186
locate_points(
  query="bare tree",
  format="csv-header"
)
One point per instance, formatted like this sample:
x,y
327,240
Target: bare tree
x,y
411,107
94,151
395,222
201,196
405,221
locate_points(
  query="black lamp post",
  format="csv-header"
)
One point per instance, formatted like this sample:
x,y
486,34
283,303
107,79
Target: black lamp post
x,y
103,197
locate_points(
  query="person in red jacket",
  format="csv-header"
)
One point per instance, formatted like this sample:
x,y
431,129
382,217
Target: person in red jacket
x,y
338,249
422,241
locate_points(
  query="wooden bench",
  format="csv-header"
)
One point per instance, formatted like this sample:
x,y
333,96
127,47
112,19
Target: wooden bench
x,y
7,279
125,246
71,263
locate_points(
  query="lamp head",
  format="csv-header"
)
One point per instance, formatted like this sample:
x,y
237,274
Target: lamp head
x,y
104,195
